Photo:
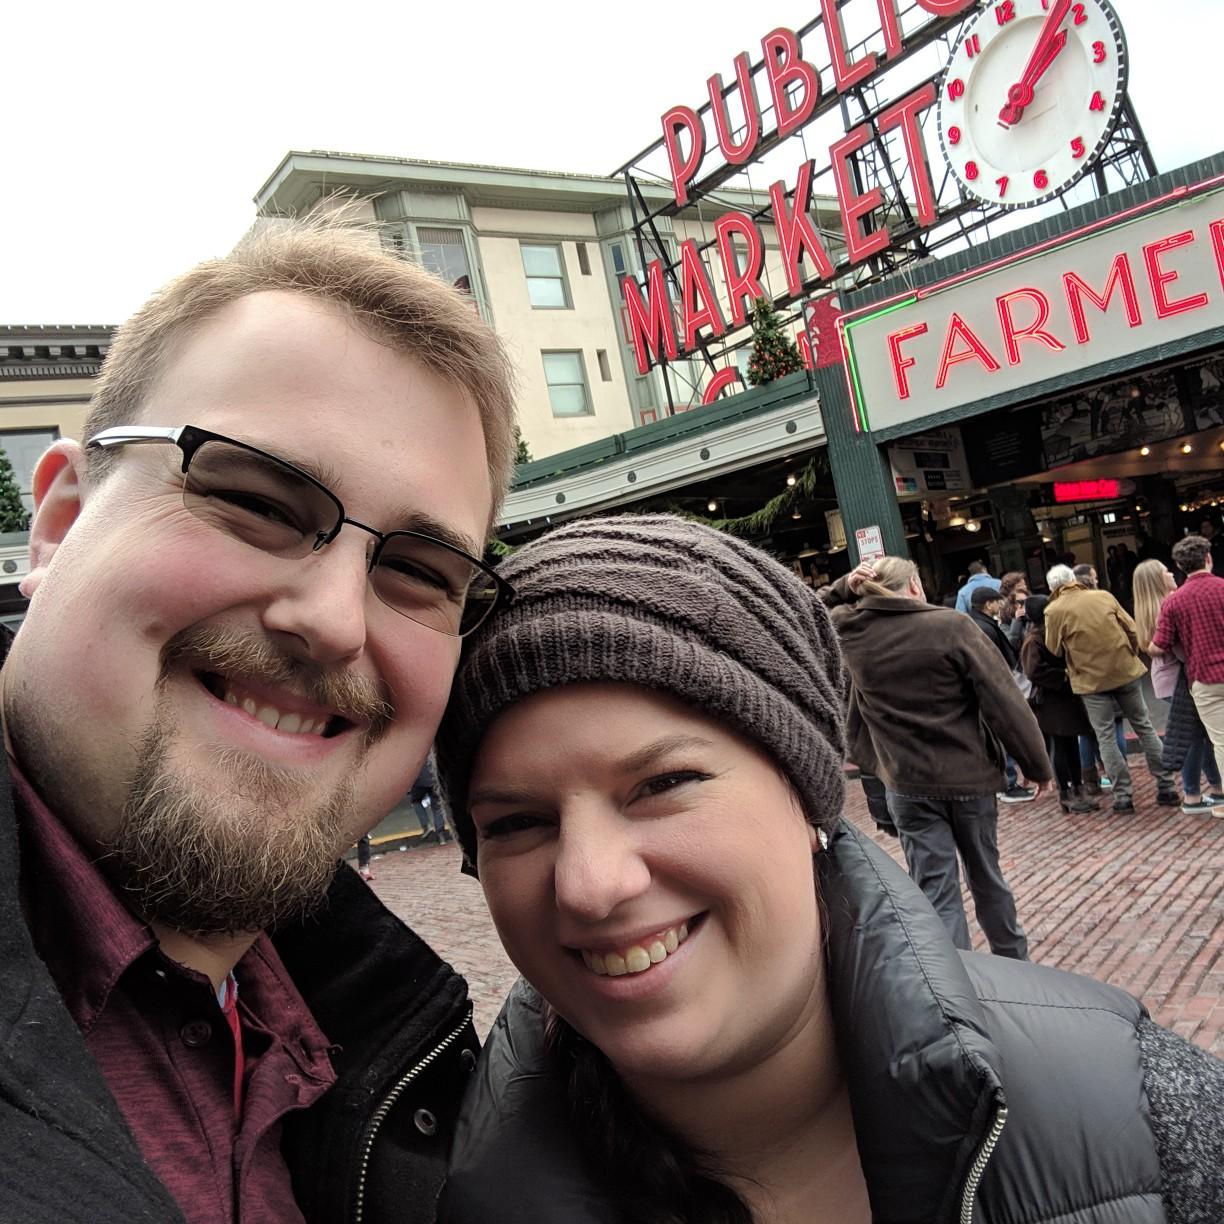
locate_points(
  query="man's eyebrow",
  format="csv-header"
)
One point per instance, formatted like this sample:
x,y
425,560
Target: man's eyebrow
x,y
404,520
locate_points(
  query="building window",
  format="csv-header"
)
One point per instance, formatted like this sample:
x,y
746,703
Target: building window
x,y
24,448
443,254
605,366
545,270
645,392
618,259
567,388
584,259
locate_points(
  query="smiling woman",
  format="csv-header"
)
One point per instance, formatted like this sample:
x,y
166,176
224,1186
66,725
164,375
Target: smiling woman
x,y
745,1011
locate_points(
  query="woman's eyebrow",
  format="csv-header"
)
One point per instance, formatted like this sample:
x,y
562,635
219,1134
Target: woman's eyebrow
x,y
635,762
645,757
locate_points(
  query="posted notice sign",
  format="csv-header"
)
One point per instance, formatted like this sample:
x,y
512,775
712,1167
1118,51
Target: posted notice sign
x,y
870,541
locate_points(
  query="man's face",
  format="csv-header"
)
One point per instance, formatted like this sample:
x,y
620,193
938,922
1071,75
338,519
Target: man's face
x,y
993,607
1207,529
157,650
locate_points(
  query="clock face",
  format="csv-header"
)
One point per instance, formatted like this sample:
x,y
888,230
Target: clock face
x,y
1030,97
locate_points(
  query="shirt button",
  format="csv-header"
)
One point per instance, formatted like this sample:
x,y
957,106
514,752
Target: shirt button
x,y
196,1033
425,1122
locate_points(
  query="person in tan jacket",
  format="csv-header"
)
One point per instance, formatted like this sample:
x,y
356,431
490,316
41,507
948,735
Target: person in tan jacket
x,y
1097,637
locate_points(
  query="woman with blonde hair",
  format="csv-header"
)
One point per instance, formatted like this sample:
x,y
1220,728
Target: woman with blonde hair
x,y
746,1013
1186,745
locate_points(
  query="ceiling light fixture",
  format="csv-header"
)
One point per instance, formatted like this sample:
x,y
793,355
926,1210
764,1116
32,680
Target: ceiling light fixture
x,y
712,506
957,520
790,481
1186,448
973,525
1145,451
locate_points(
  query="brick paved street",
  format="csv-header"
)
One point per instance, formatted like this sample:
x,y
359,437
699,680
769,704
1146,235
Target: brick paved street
x,y
1136,900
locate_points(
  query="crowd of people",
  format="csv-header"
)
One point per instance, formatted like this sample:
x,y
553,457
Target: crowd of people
x,y
258,595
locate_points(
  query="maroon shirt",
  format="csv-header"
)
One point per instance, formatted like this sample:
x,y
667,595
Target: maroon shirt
x,y
158,1034
1192,617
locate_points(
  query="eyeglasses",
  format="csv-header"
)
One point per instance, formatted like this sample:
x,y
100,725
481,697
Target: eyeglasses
x,y
273,506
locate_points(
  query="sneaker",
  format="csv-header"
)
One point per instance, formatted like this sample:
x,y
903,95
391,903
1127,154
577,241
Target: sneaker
x,y
1197,807
1123,805
1017,794
1217,800
1167,797
1105,783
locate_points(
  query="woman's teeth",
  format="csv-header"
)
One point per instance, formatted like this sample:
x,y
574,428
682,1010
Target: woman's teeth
x,y
639,957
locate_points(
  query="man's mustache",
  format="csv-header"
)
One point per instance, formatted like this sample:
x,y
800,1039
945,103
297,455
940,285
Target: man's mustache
x,y
234,653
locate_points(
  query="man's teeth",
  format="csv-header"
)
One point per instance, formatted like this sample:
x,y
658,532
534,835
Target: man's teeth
x,y
639,957
291,724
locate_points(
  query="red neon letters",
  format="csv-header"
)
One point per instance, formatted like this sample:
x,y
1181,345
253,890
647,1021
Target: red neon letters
x,y
1086,490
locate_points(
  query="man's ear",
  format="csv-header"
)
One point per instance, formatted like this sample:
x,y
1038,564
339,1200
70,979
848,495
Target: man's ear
x,y
58,491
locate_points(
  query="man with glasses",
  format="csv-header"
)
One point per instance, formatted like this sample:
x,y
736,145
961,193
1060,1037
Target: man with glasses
x,y
248,591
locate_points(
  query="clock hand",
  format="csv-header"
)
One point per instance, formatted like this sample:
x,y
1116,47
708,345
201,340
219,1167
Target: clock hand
x,y
1049,43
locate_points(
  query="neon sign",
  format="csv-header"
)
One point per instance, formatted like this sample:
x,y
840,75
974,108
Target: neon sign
x,y
1087,490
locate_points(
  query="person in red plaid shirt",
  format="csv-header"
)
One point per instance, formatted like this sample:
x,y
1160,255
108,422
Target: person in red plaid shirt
x,y
1192,625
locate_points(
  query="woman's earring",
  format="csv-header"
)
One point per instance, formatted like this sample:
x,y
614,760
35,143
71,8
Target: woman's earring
x,y
823,838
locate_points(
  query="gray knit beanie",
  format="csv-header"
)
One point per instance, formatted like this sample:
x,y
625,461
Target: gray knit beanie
x,y
670,605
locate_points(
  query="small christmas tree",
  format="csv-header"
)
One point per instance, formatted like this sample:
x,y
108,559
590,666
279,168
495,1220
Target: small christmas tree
x,y
774,354
13,514
522,452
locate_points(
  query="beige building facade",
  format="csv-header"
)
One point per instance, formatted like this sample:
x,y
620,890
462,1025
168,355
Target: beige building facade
x,y
542,254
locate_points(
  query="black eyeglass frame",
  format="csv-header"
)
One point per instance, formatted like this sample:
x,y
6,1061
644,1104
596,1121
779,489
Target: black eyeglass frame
x,y
189,439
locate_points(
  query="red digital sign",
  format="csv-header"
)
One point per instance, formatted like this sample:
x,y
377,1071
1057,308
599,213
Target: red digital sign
x,y
1086,490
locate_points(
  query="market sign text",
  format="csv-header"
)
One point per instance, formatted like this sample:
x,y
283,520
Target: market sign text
x,y
796,91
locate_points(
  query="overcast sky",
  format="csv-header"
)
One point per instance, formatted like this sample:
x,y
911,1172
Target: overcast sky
x,y
139,132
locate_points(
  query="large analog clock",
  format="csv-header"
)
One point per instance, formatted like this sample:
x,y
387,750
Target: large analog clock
x,y
1030,97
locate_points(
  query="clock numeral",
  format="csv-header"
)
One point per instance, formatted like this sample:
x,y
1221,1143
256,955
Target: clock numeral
x,y
973,46
956,89
1098,52
1005,12
971,170
1001,183
954,135
1041,180
1097,103
1077,148
1080,15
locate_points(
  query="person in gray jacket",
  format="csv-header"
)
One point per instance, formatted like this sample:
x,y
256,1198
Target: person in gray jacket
x,y
728,1020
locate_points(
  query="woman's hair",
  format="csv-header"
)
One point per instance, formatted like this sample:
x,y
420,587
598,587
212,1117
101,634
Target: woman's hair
x,y
1150,591
892,575
1007,588
652,1175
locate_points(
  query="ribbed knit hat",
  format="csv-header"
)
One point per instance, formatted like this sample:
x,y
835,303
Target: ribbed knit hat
x,y
670,605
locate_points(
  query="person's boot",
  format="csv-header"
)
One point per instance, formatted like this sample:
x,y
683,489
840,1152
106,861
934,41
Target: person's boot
x,y
1092,781
1087,802
1166,795
1071,802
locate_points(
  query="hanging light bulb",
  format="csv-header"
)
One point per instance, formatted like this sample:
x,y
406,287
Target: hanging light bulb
x,y
1145,451
790,481
1186,448
973,525
957,520
712,506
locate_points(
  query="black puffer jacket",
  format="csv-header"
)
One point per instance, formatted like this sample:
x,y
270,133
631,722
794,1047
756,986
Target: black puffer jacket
x,y
366,1152
984,1090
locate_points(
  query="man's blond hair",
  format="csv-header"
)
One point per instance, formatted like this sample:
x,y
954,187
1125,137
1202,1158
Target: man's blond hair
x,y
325,257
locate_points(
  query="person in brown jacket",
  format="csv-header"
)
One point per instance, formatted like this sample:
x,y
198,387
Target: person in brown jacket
x,y
1097,637
932,711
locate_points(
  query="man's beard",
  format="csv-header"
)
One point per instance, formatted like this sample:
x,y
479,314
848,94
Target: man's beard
x,y
257,852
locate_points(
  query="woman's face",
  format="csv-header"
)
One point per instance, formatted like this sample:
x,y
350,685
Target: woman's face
x,y
650,873
1170,583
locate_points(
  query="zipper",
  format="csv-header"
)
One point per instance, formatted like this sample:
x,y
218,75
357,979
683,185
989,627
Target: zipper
x,y
388,1103
980,1161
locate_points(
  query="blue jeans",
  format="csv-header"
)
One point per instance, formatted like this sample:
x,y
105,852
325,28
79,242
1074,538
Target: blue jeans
x,y
1200,760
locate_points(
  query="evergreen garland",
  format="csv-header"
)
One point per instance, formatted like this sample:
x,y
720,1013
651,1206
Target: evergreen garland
x,y
774,354
13,514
